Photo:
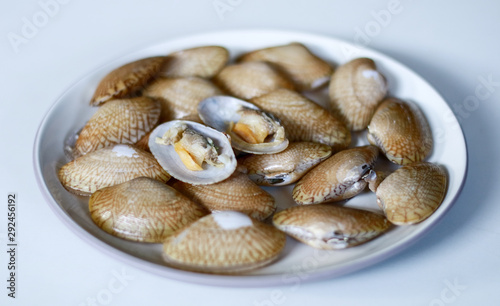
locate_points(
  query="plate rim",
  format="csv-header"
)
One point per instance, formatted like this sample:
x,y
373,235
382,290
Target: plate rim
x,y
260,280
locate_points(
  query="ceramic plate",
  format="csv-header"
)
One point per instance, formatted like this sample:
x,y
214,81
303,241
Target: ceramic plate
x,y
70,112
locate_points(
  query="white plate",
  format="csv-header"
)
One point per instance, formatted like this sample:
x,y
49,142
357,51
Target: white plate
x,y
298,262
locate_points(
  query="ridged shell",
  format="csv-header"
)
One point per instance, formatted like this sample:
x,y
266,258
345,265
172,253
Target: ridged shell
x,y
224,242
356,88
401,131
251,79
203,62
109,166
123,121
220,112
237,193
127,79
338,178
142,209
180,96
304,68
143,143
171,162
305,120
330,227
286,167
412,193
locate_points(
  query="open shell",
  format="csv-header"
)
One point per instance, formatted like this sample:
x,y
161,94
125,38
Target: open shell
x,y
330,227
127,79
109,166
401,131
285,167
297,62
224,242
123,121
142,209
340,177
237,193
412,193
172,163
220,112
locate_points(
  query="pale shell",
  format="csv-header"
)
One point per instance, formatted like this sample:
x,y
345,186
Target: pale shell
x,y
203,62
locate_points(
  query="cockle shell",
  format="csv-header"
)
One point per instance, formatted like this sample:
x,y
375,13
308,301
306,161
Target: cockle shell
x,y
203,62
142,209
237,193
285,167
224,242
251,79
172,163
180,96
356,88
330,227
304,120
401,131
222,112
304,68
127,79
109,166
338,178
412,193
123,121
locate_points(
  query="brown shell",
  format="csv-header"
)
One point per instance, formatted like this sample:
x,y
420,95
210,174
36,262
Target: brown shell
x,y
304,68
206,246
180,96
142,209
329,227
143,143
338,178
123,121
305,120
401,131
127,79
252,79
237,193
109,166
356,88
412,193
286,167
203,62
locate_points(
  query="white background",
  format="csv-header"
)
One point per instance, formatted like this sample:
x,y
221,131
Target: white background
x,y
450,43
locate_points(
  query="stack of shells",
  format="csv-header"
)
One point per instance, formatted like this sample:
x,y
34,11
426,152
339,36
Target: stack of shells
x,y
221,130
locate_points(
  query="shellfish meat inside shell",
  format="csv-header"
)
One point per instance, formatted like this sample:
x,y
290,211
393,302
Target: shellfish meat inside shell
x,y
142,209
304,120
355,90
326,226
251,129
224,242
401,131
127,79
192,152
295,60
120,121
109,166
285,167
236,193
412,193
338,178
